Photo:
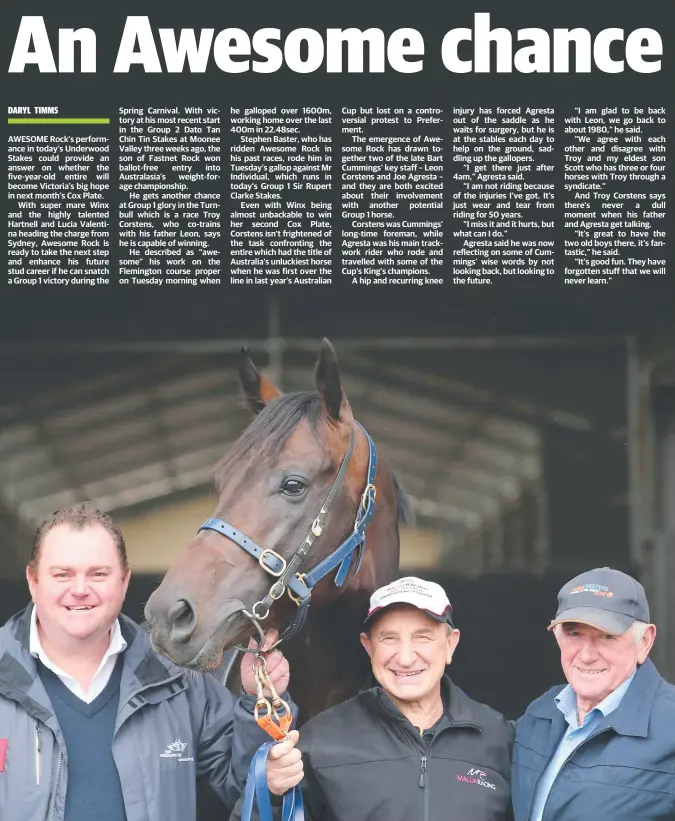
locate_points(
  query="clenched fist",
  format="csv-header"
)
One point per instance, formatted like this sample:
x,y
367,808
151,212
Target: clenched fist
x,y
277,667
284,765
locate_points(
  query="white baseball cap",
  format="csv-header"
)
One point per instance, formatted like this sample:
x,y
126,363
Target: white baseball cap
x,y
426,596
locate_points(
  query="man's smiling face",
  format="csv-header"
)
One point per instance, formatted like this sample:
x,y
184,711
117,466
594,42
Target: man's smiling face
x,y
79,584
408,652
595,663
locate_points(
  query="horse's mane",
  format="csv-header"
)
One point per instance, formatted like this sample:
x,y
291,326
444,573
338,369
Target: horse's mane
x,y
404,508
261,443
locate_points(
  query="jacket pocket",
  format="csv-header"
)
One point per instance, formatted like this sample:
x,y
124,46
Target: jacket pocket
x,y
620,793
20,795
631,777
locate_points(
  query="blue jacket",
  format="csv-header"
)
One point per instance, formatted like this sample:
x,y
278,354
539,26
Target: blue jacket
x,y
625,771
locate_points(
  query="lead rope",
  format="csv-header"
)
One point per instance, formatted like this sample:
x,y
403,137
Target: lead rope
x,y
269,719
256,788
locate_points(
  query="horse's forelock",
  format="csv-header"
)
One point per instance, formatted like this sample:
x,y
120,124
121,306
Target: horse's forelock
x,y
263,440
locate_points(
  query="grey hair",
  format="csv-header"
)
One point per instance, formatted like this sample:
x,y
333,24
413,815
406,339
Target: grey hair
x,y
639,628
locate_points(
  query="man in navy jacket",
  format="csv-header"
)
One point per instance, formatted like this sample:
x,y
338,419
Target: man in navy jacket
x,y
602,747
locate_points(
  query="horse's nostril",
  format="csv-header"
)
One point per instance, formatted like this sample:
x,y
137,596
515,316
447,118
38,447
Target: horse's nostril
x,y
182,620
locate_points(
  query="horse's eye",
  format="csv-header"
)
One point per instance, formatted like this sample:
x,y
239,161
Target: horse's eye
x,y
293,486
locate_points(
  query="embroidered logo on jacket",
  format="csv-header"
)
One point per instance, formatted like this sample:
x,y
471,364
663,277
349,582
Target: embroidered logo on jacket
x,y
175,750
477,777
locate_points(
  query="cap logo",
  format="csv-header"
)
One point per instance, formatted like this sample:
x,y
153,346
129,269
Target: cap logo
x,y
427,596
595,589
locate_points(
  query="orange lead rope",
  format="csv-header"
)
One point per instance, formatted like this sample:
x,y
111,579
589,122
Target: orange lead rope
x,y
270,720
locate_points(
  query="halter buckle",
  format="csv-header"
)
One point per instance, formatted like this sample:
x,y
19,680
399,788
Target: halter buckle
x,y
301,578
364,495
277,586
261,562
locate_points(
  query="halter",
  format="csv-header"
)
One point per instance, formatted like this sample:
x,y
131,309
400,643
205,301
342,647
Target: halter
x,y
300,585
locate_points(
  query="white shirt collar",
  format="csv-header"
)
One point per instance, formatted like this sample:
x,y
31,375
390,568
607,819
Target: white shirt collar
x,y
566,702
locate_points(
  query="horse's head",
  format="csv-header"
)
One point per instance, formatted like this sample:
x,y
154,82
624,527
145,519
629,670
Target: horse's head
x,y
272,484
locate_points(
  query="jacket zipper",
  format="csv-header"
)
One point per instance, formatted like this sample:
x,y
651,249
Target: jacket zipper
x,y
38,749
423,767
56,788
423,784
423,781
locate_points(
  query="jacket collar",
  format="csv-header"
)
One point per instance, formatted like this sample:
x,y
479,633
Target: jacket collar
x,y
18,670
631,717
458,707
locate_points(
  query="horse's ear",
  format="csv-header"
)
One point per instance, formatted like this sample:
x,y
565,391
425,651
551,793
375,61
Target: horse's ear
x,y
258,389
327,381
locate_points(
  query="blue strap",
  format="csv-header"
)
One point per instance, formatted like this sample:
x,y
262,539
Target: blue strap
x,y
339,557
298,621
253,788
343,555
345,552
270,561
256,788
293,806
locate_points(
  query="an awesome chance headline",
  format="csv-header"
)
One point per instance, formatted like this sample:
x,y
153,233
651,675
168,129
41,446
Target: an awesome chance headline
x,y
481,49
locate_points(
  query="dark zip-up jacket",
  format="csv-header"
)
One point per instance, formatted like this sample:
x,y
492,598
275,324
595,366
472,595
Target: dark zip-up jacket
x,y
169,730
364,761
624,771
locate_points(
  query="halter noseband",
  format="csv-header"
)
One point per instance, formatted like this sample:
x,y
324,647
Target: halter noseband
x,y
300,585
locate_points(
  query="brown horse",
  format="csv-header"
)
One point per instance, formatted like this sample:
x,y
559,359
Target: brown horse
x,y
295,487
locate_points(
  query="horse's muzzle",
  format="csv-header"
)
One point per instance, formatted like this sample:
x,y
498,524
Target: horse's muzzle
x,y
189,637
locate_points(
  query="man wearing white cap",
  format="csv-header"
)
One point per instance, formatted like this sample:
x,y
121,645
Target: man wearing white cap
x,y
602,747
412,747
